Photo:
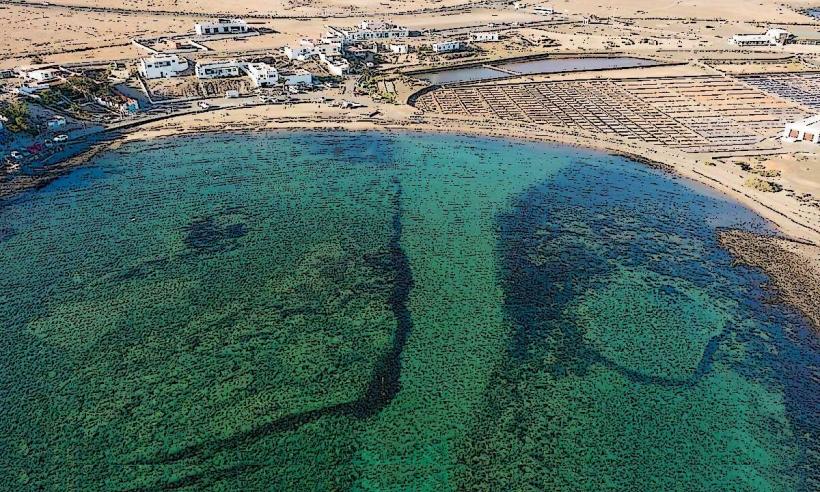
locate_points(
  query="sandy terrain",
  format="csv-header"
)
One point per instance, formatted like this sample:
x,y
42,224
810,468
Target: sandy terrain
x,y
268,7
67,30
702,9
71,34
796,168
799,169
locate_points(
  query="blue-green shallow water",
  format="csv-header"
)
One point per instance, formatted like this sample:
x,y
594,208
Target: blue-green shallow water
x,y
344,311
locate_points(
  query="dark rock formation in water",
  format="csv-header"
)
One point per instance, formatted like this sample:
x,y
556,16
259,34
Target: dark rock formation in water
x,y
384,384
794,268
213,234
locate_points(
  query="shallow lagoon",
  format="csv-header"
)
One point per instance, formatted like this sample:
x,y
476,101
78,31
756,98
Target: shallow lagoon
x,y
335,311
533,67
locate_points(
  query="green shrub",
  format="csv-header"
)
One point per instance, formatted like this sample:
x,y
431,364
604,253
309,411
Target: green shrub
x,y
762,185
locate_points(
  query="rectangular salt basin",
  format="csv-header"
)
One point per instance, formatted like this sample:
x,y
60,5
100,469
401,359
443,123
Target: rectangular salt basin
x,y
558,65
555,65
463,75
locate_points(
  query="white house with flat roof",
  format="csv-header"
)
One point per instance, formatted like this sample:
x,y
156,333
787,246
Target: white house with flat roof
x,y
336,65
300,52
56,123
484,36
162,65
772,37
807,130
221,26
307,48
368,30
447,46
218,69
263,75
44,75
328,49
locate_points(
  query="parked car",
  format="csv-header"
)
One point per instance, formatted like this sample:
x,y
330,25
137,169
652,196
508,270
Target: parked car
x,y
204,105
61,138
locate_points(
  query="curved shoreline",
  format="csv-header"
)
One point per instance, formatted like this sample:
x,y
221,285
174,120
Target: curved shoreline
x,y
780,260
675,162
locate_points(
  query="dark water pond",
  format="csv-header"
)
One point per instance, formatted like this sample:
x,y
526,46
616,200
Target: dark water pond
x,y
557,65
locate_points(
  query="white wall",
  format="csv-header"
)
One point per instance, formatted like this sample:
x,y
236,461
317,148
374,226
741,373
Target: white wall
x,y
159,67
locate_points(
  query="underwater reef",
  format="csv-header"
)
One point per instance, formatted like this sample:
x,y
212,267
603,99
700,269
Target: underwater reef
x,y
392,311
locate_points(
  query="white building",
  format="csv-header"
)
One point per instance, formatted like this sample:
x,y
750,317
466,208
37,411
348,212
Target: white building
x,y
328,49
803,131
44,75
544,10
336,65
119,103
447,46
221,26
263,75
399,49
162,65
772,37
307,48
328,53
301,51
366,31
218,69
484,36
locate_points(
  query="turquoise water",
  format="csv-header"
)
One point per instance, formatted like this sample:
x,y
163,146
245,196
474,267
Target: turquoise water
x,y
369,311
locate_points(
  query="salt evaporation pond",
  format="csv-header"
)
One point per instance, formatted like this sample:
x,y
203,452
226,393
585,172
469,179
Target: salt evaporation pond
x,y
370,311
533,67
469,74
